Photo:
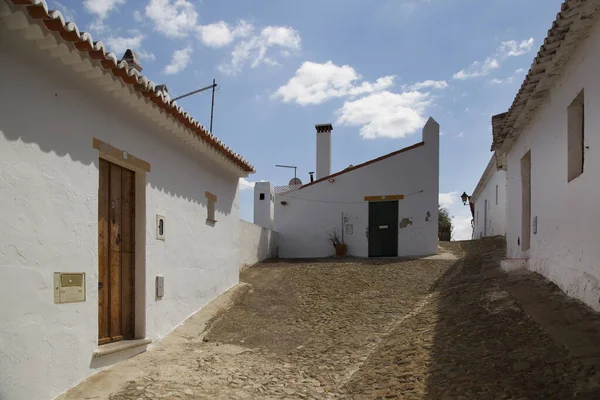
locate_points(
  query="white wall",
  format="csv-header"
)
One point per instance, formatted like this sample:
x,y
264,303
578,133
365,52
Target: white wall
x,y
48,219
256,244
565,248
496,221
312,212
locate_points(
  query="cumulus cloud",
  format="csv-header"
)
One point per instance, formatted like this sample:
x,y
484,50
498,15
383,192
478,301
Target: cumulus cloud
x,y
386,114
447,199
179,61
67,13
510,79
220,34
172,18
101,7
119,44
245,184
461,226
510,48
477,69
316,83
254,49
428,84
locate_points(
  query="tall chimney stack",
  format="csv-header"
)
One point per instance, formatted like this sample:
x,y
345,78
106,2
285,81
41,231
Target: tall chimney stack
x,y
323,150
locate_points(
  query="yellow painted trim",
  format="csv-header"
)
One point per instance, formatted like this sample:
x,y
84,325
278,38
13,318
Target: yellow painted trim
x,y
388,197
211,196
123,156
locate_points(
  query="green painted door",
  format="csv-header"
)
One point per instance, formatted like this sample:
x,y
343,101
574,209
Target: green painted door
x,y
383,229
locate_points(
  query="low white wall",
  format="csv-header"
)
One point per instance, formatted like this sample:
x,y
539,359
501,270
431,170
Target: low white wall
x,y
309,214
256,244
565,248
49,222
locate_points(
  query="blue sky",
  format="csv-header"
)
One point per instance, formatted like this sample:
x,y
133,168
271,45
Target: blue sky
x,y
375,69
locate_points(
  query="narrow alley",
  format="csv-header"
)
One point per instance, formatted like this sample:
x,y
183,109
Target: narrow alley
x,y
453,326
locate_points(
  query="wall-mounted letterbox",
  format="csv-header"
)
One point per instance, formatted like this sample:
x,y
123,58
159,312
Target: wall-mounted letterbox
x,y
69,287
160,286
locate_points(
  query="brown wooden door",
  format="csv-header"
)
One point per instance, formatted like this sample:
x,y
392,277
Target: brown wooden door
x,y
116,253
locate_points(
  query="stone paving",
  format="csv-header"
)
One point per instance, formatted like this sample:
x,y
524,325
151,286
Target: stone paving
x,y
358,329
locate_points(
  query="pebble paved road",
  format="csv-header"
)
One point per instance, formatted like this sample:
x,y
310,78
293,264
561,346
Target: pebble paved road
x,y
356,329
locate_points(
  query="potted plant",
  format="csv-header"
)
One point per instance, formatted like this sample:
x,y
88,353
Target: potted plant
x,y
338,244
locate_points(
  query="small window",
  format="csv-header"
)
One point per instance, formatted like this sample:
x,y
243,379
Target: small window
x,y
575,137
262,196
211,199
496,194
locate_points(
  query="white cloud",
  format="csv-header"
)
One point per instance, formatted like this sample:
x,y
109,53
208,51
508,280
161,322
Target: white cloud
x,y
137,16
220,34
477,69
512,48
461,226
146,55
101,7
172,18
179,61
254,49
316,83
447,199
67,13
386,114
245,184
428,84
118,44
510,79
461,135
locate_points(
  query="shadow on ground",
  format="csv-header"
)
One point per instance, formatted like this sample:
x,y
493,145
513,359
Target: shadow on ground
x,y
473,340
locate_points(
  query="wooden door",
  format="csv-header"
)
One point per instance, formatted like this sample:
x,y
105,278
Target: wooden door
x,y
116,253
383,229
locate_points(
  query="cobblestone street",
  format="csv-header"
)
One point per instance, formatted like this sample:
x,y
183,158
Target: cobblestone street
x,y
356,329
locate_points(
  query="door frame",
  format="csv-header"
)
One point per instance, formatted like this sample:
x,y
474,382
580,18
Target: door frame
x,y
140,168
394,226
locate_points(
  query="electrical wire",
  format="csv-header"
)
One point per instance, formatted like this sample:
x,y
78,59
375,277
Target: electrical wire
x,y
339,202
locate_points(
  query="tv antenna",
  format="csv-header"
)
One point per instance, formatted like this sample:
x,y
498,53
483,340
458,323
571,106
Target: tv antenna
x,y
212,107
294,180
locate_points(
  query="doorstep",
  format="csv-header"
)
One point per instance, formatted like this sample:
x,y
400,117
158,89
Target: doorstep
x,y
119,346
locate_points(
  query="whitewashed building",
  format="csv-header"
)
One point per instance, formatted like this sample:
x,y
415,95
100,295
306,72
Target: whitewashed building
x,y
489,199
383,207
118,212
549,137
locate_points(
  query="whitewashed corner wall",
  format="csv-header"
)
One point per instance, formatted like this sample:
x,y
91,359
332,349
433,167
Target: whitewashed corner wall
x,y
496,207
48,219
256,244
565,248
309,214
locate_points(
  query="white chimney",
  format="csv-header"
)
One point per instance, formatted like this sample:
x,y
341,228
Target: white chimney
x,y
323,150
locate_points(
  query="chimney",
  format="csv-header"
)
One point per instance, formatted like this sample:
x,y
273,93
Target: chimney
x,y
323,150
132,60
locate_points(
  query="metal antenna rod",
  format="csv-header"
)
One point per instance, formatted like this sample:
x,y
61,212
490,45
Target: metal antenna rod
x,y
197,91
288,166
212,107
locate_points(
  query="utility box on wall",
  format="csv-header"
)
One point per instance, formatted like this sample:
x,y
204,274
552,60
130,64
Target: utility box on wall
x,y
69,287
160,286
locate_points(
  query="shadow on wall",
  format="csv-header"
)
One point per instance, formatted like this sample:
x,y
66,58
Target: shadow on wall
x,y
53,112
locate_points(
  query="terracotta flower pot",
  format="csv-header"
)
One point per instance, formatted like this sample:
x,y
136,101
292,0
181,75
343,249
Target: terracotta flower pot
x,y
341,249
